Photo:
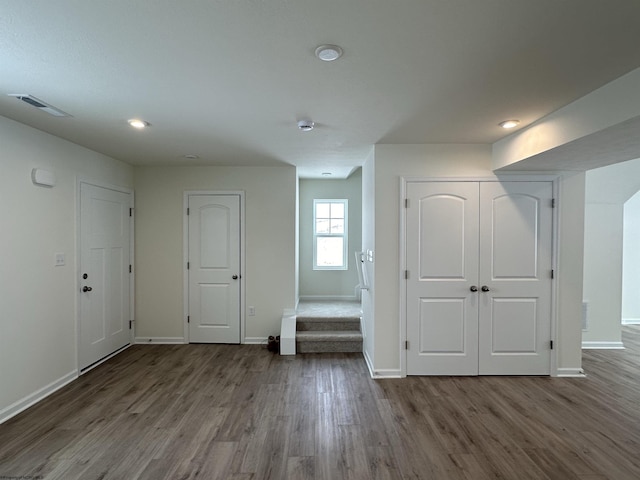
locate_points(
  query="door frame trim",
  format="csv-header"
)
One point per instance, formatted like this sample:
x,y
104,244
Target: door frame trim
x,y
80,179
185,256
554,179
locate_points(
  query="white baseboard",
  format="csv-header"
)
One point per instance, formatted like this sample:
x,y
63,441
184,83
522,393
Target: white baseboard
x,y
376,374
631,321
602,345
328,298
255,340
35,397
160,340
570,372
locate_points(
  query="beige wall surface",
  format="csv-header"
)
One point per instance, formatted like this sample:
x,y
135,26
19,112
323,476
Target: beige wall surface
x,y
392,162
606,191
270,203
38,301
330,283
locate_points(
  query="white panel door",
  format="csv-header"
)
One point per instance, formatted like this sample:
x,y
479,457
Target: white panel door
x,y
478,256
214,268
104,266
442,264
515,277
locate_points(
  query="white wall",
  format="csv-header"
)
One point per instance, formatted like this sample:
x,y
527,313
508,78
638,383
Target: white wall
x,y
270,203
330,283
38,349
607,190
390,163
631,261
369,243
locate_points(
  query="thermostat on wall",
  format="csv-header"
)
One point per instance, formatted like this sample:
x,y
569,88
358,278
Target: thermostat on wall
x,y
43,177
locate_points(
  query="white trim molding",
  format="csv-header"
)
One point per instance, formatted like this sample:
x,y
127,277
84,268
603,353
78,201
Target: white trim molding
x,y
631,321
570,372
602,346
255,340
160,340
26,402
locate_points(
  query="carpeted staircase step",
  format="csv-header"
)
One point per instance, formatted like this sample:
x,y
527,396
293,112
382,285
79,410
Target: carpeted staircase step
x,y
318,323
318,341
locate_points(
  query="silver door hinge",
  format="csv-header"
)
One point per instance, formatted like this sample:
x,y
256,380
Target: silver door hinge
x,y
406,203
406,345
553,203
406,274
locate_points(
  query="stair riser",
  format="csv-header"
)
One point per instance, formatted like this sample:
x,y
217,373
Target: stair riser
x,y
302,326
327,347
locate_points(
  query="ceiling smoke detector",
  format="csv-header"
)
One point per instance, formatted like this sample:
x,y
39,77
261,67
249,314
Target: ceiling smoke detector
x,y
305,125
328,53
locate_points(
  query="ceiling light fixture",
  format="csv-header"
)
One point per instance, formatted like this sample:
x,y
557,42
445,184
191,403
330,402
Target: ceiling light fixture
x,y
191,156
509,124
137,123
328,53
305,125
326,174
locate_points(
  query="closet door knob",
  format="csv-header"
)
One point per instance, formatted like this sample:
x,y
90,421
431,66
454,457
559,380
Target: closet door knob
x,y
473,288
485,288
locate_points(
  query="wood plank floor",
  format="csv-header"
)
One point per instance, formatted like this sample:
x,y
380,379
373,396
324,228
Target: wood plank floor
x,y
239,412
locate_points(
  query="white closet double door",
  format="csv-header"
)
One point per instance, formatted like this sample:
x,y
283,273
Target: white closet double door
x,y
479,259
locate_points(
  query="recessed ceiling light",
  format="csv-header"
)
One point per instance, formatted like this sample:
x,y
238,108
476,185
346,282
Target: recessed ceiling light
x,y
328,53
509,123
326,174
137,123
305,125
191,156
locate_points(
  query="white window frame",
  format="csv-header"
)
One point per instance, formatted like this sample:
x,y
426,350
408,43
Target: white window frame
x,y
344,235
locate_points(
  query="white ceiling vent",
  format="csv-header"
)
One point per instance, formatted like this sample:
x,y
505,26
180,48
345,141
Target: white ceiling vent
x,y
39,104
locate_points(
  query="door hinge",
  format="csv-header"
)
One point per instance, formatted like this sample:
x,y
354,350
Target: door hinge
x,y
187,265
551,344
406,203
406,344
187,210
406,274
131,212
552,274
553,203
130,322
188,319
129,268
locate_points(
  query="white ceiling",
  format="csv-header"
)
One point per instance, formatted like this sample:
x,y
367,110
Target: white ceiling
x,y
227,80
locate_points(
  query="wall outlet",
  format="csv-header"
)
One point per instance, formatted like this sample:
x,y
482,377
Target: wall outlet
x,y
251,311
59,259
